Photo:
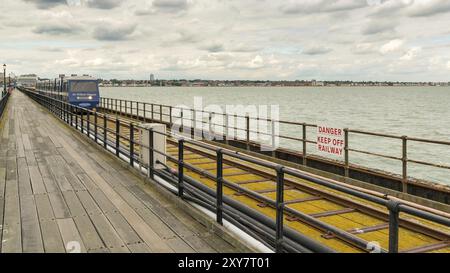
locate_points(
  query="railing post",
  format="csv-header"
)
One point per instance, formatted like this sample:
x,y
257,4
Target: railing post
x,y
160,113
210,128
170,115
88,123
76,117
346,151
152,112
117,136
96,126
137,110
82,122
182,122
105,131
71,114
131,109
274,148
304,144
219,191
405,163
394,211
131,144
247,119
180,167
279,209
144,112
194,123
151,151
226,129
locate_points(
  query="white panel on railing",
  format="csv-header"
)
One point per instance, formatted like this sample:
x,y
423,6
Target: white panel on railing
x,y
159,143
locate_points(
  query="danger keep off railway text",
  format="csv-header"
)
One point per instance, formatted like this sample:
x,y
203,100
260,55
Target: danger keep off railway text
x,y
330,140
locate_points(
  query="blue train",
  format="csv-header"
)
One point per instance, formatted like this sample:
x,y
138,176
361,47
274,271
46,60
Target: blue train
x,y
81,91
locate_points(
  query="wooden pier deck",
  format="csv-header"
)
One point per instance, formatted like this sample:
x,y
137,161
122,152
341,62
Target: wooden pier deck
x,y
59,193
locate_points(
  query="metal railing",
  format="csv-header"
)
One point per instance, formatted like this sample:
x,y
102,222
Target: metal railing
x,y
3,102
164,113
111,133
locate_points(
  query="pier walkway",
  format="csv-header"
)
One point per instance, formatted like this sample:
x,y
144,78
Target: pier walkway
x,y
60,193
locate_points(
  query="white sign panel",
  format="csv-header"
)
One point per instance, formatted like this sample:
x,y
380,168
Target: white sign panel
x,y
330,140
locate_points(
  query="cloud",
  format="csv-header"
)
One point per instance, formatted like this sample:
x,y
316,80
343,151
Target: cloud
x,y
425,8
56,29
316,50
213,47
411,54
117,31
104,4
392,46
241,47
45,4
364,49
170,5
229,39
378,26
316,6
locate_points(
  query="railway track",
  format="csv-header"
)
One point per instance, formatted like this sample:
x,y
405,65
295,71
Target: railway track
x,y
360,219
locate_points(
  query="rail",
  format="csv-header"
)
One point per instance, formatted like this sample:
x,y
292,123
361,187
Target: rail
x,y
3,102
165,113
271,232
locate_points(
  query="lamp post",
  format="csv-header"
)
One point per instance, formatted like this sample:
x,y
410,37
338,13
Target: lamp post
x,y
4,80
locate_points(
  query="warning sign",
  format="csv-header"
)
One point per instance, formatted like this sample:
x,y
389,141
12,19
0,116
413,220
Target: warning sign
x,y
330,140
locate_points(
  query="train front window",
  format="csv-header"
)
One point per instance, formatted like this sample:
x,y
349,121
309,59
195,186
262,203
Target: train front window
x,y
83,86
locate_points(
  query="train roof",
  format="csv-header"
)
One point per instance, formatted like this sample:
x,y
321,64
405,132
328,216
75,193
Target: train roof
x,y
80,78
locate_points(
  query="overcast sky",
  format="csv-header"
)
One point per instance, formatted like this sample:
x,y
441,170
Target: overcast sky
x,y
406,40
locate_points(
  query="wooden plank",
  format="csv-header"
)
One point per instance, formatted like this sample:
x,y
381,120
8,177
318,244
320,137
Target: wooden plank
x,y
44,207
11,169
31,160
91,238
109,235
74,205
87,182
139,248
12,236
60,208
31,230
37,183
26,142
51,236
123,228
20,148
56,169
24,177
70,234
88,203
